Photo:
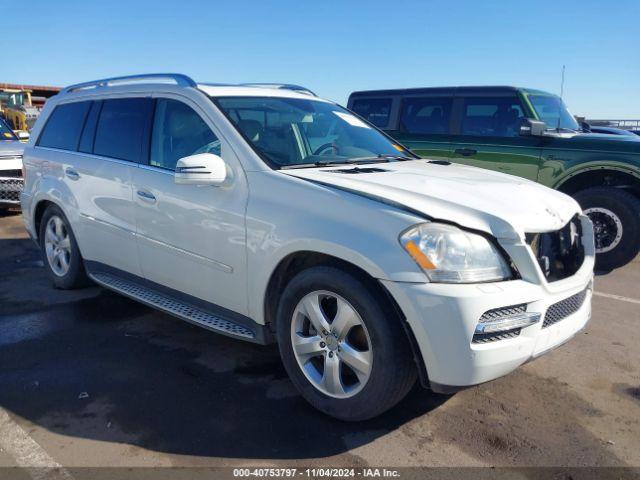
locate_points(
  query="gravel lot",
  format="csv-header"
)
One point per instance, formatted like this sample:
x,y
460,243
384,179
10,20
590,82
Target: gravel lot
x,y
90,378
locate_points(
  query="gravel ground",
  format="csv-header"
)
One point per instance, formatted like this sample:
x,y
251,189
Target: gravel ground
x,y
90,378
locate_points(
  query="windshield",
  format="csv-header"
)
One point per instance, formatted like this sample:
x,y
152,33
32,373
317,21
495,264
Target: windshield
x,y
553,112
5,132
289,132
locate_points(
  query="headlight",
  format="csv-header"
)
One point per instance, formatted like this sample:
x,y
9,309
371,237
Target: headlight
x,y
450,255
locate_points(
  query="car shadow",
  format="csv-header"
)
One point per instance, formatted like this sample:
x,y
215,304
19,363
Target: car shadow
x,y
93,364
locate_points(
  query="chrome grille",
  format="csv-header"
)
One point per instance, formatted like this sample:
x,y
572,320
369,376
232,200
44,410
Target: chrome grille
x,y
10,188
562,309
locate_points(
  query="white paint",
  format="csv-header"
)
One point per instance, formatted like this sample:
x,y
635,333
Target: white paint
x,y
617,297
27,453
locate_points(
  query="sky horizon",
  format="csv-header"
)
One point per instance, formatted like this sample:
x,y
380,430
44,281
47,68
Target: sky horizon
x,y
335,47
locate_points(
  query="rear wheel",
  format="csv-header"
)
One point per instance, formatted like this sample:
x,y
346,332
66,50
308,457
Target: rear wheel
x,y
615,214
344,351
60,252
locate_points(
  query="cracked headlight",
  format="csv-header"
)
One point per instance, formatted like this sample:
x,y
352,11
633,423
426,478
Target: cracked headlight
x,y
448,254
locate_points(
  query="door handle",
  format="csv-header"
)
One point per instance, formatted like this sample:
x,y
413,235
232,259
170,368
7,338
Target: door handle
x,y
71,173
147,196
465,152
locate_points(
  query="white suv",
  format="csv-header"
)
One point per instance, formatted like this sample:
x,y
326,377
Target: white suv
x,y
268,214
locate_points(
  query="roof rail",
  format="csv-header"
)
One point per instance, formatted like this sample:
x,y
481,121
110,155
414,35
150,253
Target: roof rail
x,y
284,86
178,78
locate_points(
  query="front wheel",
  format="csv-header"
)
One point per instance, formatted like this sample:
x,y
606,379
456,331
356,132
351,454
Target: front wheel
x,y
345,352
615,214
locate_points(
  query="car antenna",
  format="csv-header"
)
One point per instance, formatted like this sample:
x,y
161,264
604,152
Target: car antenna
x,y
560,104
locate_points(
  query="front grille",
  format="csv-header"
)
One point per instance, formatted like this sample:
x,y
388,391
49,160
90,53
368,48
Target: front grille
x,y
496,314
560,254
564,308
10,189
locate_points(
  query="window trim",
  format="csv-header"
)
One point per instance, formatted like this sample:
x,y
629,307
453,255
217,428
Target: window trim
x,y
95,126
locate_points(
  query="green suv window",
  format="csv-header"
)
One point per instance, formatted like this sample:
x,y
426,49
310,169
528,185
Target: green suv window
x,y
491,116
553,112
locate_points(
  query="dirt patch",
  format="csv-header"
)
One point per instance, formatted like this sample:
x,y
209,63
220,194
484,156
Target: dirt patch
x,y
523,419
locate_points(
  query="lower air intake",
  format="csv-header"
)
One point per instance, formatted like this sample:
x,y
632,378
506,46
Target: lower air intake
x,y
561,310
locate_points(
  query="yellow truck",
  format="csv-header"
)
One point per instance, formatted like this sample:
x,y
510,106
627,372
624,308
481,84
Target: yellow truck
x,y
17,110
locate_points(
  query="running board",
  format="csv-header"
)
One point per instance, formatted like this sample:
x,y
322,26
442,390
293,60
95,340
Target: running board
x,y
172,306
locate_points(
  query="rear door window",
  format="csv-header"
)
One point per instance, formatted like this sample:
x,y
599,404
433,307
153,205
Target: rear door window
x,y
374,110
426,116
121,128
63,127
491,116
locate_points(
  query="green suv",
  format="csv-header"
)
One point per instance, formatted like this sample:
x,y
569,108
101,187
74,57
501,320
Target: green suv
x,y
524,132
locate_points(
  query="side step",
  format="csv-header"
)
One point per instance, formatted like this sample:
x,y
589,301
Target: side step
x,y
172,306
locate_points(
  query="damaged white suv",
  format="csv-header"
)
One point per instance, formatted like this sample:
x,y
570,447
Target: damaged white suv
x,y
268,214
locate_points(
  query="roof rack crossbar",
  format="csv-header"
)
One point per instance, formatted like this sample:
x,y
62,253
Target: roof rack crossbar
x,y
178,78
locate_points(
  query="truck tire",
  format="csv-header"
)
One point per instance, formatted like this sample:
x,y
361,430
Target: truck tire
x,y
615,214
343,350
60,252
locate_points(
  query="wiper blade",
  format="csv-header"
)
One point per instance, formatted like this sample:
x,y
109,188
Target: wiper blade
x,y
401,158
352,161
312,164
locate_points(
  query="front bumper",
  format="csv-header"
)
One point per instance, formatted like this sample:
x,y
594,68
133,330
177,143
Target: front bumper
x,y
444,319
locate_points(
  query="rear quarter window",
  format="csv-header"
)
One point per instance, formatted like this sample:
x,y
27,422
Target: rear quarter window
x,y
64,125
121,127
375,110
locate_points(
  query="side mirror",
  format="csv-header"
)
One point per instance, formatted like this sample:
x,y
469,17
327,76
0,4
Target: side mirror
x,y
201,169
532,128
23,136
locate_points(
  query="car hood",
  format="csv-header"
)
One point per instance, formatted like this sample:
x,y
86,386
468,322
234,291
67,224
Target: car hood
x,y
11,148
503,205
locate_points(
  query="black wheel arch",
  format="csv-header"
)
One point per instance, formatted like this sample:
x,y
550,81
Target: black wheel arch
x,y
601,177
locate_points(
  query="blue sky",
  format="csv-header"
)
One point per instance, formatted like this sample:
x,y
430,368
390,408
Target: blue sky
x,y
335,47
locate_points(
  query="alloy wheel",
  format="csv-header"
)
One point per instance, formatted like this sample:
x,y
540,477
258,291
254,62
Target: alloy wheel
x,y
57,245
331,344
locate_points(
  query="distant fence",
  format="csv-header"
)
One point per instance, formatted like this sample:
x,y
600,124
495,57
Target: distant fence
x,y
624,124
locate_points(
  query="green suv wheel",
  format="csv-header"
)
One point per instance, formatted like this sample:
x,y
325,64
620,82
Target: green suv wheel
x,y
615,214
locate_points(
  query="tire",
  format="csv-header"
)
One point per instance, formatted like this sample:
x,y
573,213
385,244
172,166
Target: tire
x,y
379,338
73,275
615,214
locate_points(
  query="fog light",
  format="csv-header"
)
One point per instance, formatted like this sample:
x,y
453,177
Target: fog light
x,y
510,322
